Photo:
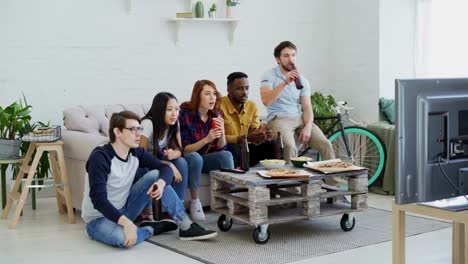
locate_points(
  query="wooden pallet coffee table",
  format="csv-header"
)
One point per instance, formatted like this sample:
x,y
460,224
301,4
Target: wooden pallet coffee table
x,y
260,201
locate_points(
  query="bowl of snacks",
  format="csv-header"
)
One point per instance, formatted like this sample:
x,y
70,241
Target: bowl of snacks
x,y
300,161
270,164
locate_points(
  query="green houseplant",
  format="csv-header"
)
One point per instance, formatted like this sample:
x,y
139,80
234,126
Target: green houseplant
x,y
14,123
212,11
232,2
323,105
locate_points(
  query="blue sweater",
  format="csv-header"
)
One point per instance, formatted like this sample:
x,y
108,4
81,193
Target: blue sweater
x,y
110,178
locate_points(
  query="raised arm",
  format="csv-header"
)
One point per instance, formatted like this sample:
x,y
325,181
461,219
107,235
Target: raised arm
x,y
270,94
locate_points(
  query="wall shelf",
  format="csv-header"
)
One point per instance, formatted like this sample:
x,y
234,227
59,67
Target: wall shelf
x,y
232,22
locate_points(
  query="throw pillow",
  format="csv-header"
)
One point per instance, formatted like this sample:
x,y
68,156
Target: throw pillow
x,y
387,107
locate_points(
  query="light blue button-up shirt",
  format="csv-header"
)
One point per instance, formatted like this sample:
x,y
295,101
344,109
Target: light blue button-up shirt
x,y
288,103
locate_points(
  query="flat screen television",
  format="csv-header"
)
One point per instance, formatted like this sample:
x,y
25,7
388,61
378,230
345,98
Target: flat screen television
x,y
432,139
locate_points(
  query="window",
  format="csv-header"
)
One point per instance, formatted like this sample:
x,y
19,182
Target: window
x,y
441,38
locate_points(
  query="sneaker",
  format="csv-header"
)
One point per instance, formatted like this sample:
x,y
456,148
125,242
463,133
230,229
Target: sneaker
x,y
143,218
196,211
161,226
196,232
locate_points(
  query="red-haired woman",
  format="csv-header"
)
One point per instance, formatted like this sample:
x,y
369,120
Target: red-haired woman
x,y
202,132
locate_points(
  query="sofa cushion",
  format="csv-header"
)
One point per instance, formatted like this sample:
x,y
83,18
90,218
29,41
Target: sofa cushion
x,y
95,119
387,107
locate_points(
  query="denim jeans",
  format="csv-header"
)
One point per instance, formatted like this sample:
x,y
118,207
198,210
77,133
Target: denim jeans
x,y
217,160
183,167
195,164
111,233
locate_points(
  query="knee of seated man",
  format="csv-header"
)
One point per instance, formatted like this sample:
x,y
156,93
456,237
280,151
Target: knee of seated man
x,y
151,176
225,155
118,237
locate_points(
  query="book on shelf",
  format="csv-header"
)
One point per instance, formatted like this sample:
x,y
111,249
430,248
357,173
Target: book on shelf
x,y
184,15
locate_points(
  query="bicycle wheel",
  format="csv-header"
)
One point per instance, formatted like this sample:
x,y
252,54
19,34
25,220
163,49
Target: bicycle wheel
x,y
367,150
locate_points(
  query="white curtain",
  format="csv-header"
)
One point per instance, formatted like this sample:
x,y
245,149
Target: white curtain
x,y
441,38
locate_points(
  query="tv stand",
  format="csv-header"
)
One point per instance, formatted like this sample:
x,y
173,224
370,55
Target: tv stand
x,y
459,230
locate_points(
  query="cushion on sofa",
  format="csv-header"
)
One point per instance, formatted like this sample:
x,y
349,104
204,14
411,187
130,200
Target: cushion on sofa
x,y
387,107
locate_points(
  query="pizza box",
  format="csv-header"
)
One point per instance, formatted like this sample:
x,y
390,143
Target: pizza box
x,y
299,174
316,167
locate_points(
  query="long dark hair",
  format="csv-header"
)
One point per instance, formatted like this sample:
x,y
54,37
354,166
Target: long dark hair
x,y
194,102
157,115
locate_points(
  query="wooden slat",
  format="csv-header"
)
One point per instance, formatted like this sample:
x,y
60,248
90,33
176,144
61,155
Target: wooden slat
x,y
233,198
235,190
14,196
330,187
25,168
336,194
282,193
60,191
274,201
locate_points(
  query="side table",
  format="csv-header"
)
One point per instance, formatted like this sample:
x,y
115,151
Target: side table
x,y
459,230
61,185
3,167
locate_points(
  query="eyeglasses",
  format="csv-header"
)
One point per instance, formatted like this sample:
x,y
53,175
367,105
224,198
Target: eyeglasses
x,y
134,129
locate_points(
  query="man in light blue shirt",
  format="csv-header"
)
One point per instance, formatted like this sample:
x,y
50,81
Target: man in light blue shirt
x,y
289,107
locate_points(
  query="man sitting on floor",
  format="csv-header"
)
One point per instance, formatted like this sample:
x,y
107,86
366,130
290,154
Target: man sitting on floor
x,y
113,198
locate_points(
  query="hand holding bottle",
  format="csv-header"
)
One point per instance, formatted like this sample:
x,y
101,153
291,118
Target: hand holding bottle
x,y
297,80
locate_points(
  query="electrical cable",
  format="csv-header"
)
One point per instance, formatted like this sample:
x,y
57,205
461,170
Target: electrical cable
x,y
448,179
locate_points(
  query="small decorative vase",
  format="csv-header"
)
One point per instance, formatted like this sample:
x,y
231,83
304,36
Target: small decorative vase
x,y
229,12
212,14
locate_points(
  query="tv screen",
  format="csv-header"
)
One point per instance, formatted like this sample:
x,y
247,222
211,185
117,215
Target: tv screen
x,y
432,139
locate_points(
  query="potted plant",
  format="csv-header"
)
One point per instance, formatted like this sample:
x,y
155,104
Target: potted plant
x,y
14,123
212,11
232,2
229,5
323,105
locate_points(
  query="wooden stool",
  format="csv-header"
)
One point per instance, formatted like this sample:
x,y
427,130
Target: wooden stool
x,y
60,180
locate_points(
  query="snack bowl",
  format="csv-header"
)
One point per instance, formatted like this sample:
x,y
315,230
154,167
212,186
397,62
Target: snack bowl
x,y
270,164
300,161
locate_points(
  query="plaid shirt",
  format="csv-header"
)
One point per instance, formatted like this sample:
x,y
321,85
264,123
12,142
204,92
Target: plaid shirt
x,y
193,129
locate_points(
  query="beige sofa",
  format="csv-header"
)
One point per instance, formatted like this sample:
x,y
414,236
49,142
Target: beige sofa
x,y
88,127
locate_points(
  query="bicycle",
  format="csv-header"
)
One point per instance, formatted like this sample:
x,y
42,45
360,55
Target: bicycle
x,y
355,143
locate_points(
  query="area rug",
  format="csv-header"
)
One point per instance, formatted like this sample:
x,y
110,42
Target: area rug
x,y
295,240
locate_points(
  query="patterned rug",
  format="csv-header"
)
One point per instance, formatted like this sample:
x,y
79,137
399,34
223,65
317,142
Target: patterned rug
x,y
295,240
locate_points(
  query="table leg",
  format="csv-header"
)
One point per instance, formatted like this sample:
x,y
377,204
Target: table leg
x,y
465,245
398,235
3,169
458,237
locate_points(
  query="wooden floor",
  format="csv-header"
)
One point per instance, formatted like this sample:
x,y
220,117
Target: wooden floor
x,y
44,236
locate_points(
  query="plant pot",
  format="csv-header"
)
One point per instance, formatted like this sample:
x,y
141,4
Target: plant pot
x,y
212,14
229,12
9,148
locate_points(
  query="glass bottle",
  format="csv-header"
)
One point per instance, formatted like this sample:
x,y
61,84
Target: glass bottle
x,y
279,146
244,161
297,81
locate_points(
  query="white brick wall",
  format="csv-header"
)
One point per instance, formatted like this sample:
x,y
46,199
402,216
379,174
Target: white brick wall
x,y
63,52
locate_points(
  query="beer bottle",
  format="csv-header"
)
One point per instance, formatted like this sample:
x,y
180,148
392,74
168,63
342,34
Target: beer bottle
x,y
297,81
244,161
279,146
